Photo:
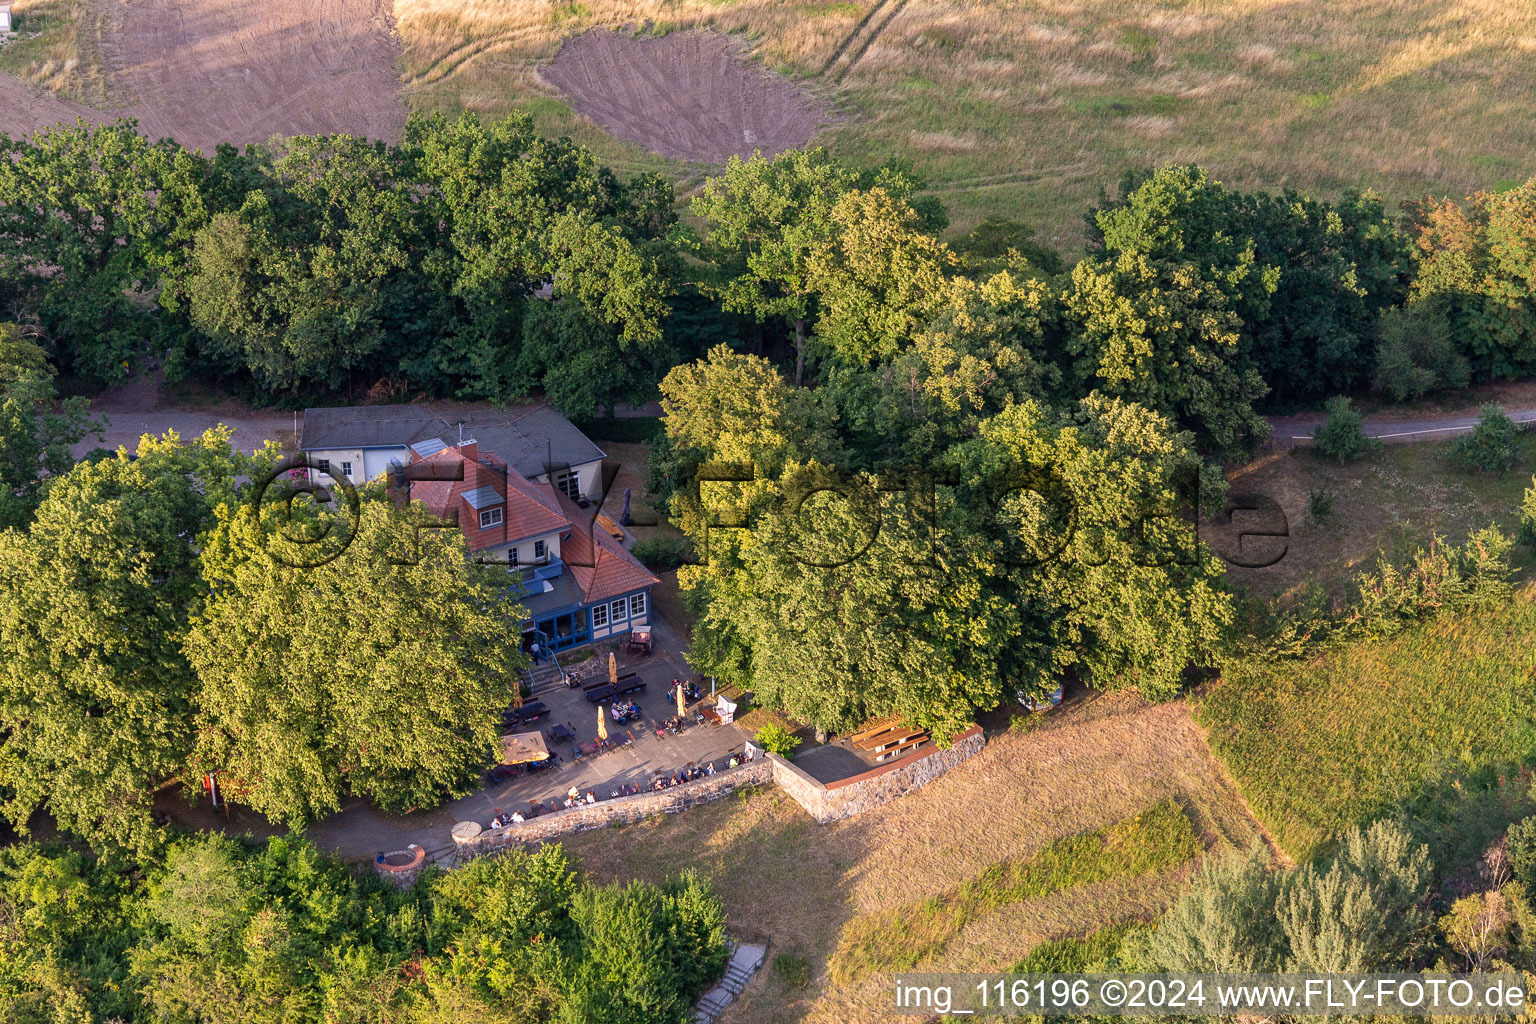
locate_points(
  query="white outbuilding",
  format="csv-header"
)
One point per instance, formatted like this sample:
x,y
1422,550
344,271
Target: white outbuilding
x,y
5,17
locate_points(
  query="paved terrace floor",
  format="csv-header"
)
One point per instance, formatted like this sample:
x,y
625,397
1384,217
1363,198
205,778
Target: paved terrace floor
x,y
360,830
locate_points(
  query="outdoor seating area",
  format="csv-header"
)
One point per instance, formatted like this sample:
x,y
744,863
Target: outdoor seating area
x,y
639,738
889,740
575,796
599,693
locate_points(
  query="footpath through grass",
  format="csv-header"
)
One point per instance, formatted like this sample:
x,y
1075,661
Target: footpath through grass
x,y
1159,838
1437,724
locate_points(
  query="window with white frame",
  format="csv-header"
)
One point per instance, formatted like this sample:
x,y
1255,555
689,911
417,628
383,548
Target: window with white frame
x,y
636,605
568,483
616,610
490,517
599,616
539,550
323,465
346,470
512,556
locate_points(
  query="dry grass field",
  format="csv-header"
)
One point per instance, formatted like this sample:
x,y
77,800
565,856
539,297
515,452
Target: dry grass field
x,y
806,887
1028,108
1383,505
1023,108
59,46
206,71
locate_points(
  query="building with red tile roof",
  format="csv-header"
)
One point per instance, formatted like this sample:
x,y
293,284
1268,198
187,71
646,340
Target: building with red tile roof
x,y
577,581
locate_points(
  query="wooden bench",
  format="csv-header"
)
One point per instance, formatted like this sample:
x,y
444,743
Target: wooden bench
x,y
874,740
906,748
858,739
900,739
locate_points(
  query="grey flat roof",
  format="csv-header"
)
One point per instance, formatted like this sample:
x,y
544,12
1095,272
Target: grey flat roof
x,y
530,438
370,426
563,593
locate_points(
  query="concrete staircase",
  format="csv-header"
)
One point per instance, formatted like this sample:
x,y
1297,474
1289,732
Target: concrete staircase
x,y
545,678
745,961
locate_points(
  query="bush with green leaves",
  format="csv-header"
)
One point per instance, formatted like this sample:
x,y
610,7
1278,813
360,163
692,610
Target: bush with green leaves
x,y
278,932
1362,909
1491,447
663,554
1342,435
776,739
1417,354
1436,578
1320,504
1528,514
1520,847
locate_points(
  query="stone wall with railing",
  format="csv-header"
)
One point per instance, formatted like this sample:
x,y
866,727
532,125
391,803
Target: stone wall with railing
x,y
618,809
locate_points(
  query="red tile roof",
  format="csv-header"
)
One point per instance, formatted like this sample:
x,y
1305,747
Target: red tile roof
x,y
530,509
600,565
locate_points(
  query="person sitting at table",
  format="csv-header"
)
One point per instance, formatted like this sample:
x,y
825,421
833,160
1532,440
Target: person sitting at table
x,y
495,823
590,798
517,817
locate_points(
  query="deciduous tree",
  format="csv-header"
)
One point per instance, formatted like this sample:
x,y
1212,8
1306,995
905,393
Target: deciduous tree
x,y
379,673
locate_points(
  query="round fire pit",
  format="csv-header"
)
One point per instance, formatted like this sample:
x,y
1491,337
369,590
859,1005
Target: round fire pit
x,y
399,862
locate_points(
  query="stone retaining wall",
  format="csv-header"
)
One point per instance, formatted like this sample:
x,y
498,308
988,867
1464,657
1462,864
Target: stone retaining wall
x,y
620,809
843,799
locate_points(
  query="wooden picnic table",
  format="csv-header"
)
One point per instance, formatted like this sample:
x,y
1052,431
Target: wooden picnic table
x,y
858,738
887,742
912,744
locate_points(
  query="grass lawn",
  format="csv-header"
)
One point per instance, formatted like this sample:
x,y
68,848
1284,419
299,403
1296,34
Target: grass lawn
x,y
1026,111
1437,724
1384,504
903,938
804,885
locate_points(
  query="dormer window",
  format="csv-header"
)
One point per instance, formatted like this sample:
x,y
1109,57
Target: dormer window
x,y
490,517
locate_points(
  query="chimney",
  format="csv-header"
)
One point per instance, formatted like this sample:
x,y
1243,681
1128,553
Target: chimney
x,y
469,450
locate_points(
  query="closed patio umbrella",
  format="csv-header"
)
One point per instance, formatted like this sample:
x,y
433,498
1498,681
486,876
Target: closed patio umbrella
x,y
602,723
613,667
682,703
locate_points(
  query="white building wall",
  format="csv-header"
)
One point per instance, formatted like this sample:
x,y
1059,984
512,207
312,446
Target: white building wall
x,y
588,476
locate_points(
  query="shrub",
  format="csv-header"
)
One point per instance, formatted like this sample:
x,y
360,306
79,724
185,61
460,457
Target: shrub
x,y
1366,911
1342,435
793,969
663,554
1521,850
1491,445
1417,354
1363,910
1439,577
1320,504
1528,514
1225,921
776,739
